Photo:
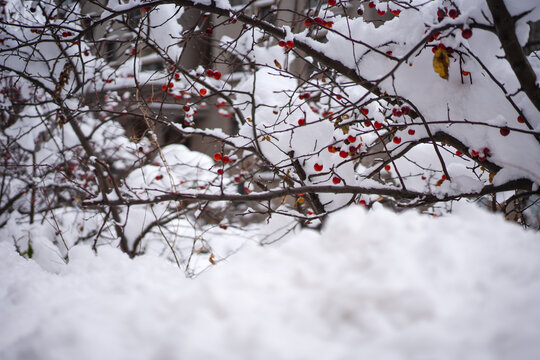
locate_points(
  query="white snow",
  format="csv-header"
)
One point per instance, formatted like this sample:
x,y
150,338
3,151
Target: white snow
x,y
372,285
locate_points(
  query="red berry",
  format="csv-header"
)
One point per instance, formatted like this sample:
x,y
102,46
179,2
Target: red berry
x,y
177,76
203,92
474,153
319,21
371,5
164,87
332,149
367,123
387,167
352,139
226,160
381,12
504,131
336,180
396,139
317,167
186,108
332,2
458,153
301,122
217,75
281,43
466,33
364,111
377,125
289,44
343,154
520,119
159,177
209,31
220,171
389,53
405,110
486,150
217,156
171,85
443,177
362,203
308,22
453,13
209,73
411,131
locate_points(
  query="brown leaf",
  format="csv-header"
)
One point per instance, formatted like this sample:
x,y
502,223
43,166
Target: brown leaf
x,y
441,63
278,65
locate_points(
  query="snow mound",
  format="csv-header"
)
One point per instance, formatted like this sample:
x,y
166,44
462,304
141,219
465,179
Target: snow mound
x,y
371,285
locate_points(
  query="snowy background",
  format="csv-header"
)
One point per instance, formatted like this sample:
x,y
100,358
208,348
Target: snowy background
x,y
372,285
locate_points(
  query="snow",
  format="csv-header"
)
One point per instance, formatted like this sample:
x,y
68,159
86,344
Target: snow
x,y
371,285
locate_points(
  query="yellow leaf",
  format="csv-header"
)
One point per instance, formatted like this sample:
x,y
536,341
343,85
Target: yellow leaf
x,y
278,65
441,63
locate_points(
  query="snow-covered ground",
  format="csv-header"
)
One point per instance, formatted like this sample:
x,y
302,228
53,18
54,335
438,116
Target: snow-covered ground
x,y
372,285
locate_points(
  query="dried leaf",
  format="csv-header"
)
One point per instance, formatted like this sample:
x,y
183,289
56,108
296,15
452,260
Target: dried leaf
x,y
278,65
299,201
441,63
211,259
345,129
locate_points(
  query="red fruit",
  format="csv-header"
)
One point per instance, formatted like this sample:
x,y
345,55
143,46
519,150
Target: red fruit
x,y
86,53
220,171
381,12
387,168
328,24
504,131
203,92
458,153
396,12
223,226
301,122
209,31
396,139
343,154
466,33
217,75
66,34
520,119
474,153
226,160
332,2
364,111
453,13
171,85
443,177
308,22
307,96
177,76
186,108
317,167
371,5
289,44
405,110
362,203
217,156
281,43
352,139
377,125
389,53
332,149
367,123
336,180
164,87
159,177
209,73
319,21
486,150
465,73
411,131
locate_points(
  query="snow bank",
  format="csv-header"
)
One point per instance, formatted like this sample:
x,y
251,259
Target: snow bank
x,y
372,286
